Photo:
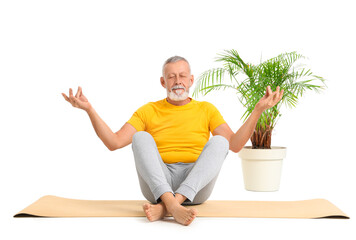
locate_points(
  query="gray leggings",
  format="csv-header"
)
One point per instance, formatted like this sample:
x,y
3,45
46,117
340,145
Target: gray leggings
x,y
193,180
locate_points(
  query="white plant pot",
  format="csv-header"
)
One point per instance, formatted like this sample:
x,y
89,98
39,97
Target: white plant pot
x,y
262,168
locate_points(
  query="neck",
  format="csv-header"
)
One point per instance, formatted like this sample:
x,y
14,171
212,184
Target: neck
x,y
179,103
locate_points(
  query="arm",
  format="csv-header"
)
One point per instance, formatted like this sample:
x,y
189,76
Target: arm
x,y
239,139
112,141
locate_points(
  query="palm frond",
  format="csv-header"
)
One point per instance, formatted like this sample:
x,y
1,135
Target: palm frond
x,y
207,89
281,71
209,78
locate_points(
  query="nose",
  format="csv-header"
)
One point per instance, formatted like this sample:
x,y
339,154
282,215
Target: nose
x,y
178,80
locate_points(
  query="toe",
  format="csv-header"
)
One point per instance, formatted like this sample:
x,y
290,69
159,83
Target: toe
x,y
146,206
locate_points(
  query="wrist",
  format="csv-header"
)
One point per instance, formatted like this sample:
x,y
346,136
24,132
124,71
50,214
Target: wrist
x,y
90,110
258,110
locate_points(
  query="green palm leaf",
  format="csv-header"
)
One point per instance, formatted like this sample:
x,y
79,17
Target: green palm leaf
x,y
281,71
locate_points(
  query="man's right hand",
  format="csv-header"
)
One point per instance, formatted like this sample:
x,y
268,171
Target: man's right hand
x,y
79,100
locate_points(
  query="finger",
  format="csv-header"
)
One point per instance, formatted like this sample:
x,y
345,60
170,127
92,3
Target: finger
x,y
277,93
269,90
78,93
72,99
65,97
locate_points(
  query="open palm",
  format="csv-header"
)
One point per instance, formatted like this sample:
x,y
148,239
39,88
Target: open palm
x,y
79,100
270,99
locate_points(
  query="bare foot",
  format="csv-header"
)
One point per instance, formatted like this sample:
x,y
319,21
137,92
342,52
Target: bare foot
x,y
154,212
183,215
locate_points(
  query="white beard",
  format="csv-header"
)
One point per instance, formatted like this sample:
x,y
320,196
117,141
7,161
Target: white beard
x,y
180,96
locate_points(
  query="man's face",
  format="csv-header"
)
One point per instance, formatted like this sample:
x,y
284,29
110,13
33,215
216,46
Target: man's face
x,y
177,80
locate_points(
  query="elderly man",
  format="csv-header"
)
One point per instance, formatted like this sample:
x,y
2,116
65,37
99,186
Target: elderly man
x,y
176,162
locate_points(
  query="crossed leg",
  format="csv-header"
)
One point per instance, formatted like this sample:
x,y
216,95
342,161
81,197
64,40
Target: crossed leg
x,y
156,181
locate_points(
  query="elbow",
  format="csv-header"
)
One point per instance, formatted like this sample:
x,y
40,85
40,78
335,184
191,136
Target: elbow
x,y
235,145
112,148
235,149
232,149
238,150
115,147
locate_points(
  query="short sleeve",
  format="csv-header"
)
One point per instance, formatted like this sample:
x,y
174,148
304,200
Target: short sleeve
x,y
215,118
138,119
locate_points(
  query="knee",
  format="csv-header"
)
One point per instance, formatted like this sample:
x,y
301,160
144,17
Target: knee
x,y
141,136
221,142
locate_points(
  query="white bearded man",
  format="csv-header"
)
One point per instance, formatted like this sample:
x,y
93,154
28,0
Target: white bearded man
x,y
177,161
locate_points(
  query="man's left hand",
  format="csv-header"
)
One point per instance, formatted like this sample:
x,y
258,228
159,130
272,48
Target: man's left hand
x,y
270,99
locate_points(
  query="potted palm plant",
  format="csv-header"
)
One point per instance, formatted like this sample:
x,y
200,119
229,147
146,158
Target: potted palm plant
x,y
261,163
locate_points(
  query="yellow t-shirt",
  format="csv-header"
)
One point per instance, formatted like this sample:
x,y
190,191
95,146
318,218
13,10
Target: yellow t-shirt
x,y
180,132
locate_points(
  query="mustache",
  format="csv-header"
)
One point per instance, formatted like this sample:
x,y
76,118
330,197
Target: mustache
x,y
178,87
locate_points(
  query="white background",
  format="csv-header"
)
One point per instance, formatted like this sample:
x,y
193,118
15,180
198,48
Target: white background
x,y
115,51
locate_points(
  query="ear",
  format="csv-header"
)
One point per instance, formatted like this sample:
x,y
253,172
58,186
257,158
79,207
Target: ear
x,y
191,80
163,83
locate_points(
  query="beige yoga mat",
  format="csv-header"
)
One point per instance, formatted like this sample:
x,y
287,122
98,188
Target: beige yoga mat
x,y
52,206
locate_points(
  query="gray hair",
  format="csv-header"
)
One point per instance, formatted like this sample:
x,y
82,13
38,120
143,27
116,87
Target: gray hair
x,y
173,60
